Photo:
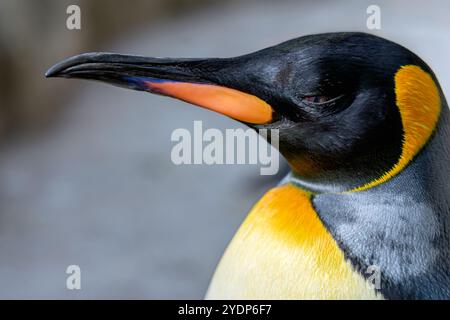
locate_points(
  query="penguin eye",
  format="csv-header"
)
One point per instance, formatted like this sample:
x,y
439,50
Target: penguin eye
x,y
317,99
322,105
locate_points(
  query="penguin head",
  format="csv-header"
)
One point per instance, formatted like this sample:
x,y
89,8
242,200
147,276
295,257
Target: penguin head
x,y
351,109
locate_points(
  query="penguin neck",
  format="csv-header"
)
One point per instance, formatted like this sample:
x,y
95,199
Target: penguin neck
x,y
335,181
330,175
430,157
401,226
428,172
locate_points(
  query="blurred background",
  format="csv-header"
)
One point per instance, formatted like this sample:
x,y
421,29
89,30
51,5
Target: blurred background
x,y
85,170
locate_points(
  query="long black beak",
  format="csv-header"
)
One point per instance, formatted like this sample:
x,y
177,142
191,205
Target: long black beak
x,y
112,67
203,82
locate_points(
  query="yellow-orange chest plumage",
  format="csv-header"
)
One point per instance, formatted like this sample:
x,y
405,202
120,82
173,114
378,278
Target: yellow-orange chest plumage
x,y
283,251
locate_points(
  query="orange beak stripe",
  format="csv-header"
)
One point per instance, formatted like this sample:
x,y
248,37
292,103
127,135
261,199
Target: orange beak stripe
x,y
230,102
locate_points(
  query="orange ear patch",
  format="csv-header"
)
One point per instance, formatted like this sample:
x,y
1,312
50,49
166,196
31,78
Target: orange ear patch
x,y
419,103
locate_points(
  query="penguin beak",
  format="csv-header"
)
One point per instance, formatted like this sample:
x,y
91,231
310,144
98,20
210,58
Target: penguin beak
x,y
196,81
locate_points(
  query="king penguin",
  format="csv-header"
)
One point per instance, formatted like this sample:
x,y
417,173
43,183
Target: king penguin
x,y
364,126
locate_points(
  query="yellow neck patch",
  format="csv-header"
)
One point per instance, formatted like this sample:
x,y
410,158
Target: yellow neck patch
x,y
283,251
418,100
